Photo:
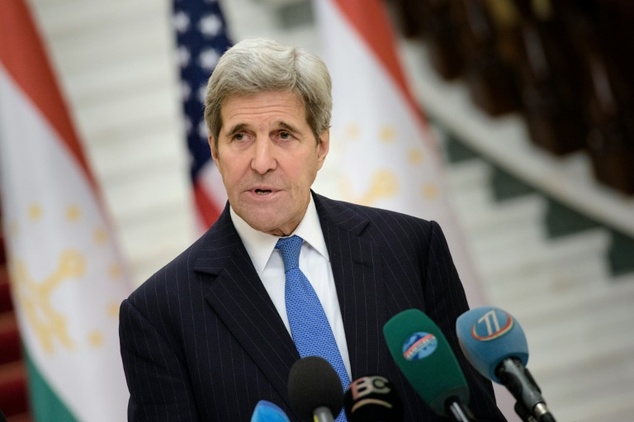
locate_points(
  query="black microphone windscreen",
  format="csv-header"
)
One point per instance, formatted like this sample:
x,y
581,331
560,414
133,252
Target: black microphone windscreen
x,y
372,399
313,383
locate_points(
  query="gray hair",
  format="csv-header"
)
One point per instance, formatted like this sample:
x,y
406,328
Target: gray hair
x,y
257,65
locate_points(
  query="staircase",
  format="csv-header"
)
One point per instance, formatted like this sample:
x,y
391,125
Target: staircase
x,y
551,246
578,317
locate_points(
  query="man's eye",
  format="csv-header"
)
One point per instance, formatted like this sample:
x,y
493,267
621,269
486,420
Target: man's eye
x,y
285,135
238,136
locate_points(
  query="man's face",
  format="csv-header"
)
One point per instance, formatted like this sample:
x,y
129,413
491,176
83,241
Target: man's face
x,y
268,158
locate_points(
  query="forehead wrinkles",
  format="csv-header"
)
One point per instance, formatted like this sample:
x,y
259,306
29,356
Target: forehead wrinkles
x,y
256,110
251,112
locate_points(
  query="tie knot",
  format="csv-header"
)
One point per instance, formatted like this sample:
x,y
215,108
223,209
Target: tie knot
x,y
289,248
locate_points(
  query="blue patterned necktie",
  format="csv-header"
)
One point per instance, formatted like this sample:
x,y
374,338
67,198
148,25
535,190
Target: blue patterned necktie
x,y
309,326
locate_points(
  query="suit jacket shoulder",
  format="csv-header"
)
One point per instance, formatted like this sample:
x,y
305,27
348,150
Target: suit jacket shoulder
x,y
201,339
398,262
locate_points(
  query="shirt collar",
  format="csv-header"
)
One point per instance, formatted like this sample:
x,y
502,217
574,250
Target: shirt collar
x,y
260,245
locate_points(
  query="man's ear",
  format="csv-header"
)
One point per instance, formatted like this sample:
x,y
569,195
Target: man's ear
x,y
323,146
212,147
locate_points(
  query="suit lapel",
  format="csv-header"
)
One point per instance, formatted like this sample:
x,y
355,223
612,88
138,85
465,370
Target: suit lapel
x,y
356,264
237,295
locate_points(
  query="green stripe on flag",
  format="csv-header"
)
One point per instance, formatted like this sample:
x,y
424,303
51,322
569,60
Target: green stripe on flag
x,y
45,405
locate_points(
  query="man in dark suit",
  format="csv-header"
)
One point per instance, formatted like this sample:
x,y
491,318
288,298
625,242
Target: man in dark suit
x,y
208,336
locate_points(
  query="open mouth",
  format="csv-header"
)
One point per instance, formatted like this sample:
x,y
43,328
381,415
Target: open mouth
x,y
262,191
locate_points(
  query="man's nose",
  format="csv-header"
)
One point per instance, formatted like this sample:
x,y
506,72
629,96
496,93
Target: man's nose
x,y
264,156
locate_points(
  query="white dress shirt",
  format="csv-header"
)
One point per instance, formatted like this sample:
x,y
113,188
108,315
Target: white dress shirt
x,y
313,261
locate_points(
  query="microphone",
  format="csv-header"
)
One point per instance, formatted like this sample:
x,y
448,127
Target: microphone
x,y
372,399
265,411
424,356
315,390
495,344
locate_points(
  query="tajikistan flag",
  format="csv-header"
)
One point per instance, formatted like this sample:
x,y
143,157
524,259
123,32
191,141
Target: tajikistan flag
x,y
380,141
386,154
66,276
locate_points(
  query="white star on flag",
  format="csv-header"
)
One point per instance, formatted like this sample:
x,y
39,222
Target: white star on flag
x,y
181,22
183,56
210,25
208,59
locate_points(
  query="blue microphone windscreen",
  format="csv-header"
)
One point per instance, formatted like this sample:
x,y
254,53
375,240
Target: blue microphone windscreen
x,y
487,336
424,356
265,411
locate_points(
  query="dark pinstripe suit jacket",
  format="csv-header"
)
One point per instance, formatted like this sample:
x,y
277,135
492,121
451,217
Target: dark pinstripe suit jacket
x,y
201,339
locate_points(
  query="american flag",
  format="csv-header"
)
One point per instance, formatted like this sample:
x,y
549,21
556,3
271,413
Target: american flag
x,y
201,35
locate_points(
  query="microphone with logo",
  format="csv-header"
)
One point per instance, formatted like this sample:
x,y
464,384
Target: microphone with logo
x,y
372,399
314,389
495,344
265,411
424,356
